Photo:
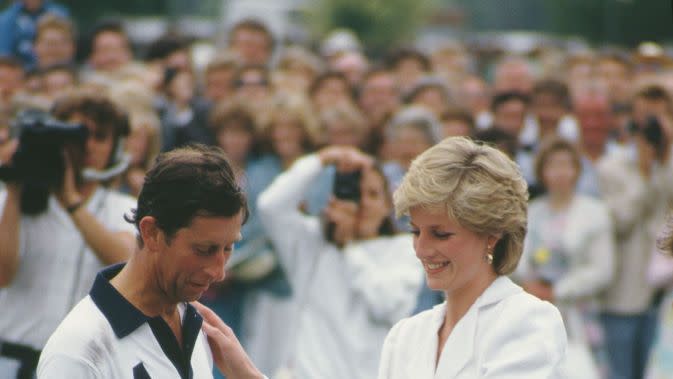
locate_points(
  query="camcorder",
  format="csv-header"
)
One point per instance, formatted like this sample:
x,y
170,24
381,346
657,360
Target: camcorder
x,y
38,162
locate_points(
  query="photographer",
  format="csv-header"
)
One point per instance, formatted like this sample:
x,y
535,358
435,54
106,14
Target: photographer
x,y
636,185
48,260
353,278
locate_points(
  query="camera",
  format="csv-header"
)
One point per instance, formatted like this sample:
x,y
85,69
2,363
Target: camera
x,y
38,162
652,132
347,185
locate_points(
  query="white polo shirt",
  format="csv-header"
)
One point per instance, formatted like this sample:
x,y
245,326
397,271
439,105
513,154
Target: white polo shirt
x,y
56,268
105,336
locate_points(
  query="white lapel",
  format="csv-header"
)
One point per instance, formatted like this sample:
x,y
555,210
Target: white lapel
x,y
459,348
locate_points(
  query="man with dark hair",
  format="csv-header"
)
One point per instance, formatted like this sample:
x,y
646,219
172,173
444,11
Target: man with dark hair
x,y
189,215
252,41
550,111
509,111
49,260
109,49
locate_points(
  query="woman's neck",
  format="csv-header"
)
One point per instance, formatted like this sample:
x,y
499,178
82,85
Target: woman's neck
x,y
560,200
459,301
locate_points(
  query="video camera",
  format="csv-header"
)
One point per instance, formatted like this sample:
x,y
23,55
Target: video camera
x,y
38,161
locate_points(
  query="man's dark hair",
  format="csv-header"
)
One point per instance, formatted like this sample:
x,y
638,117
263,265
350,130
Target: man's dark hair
x,y
253,24
408,53
328,75
192,181
166,45
655,93
507,96
555,88
113,26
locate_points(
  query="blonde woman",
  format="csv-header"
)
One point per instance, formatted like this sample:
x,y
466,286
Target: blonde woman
x,y
467,205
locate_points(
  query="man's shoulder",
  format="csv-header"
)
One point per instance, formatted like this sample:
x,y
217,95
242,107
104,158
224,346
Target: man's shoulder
x,y
85,333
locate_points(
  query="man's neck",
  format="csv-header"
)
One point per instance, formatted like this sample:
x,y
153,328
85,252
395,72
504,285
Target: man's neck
x,y
137,284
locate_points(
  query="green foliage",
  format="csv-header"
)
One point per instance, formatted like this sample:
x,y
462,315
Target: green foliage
x,y
379,24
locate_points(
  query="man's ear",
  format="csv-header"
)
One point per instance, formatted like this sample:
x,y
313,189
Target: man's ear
x,y
150,233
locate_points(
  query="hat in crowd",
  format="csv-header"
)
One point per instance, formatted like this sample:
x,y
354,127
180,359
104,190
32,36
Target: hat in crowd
x,y
339,41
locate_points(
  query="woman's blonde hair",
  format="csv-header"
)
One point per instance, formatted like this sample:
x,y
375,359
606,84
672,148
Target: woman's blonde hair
x,y
478,186
296,107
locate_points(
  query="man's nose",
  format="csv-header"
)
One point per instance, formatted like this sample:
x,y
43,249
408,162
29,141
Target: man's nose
x,y
216,269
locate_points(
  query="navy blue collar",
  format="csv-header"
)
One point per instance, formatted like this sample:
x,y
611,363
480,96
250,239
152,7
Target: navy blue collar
x,y
120,313
125,319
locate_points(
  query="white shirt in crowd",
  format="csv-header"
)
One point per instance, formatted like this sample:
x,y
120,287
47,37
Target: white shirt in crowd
x,y
56,269
347,299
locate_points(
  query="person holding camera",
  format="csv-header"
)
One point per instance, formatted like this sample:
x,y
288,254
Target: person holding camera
x,y
352,276
49,257
637,186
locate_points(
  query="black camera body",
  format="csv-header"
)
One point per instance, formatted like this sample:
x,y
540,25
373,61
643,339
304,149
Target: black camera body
x,y
347,185
38,161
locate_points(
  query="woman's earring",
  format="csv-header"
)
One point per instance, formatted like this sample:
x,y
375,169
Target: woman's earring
x,y
489,255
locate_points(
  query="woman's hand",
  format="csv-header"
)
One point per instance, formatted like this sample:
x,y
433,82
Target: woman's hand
x,y
346,158
343,214
68,194
228,354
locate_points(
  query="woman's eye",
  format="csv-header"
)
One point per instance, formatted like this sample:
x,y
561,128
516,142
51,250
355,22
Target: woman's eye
x,y
442,236
415,232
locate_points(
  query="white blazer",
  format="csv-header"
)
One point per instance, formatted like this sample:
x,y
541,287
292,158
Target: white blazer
x,y
506,334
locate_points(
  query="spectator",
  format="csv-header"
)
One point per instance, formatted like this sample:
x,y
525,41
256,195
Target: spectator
x,y
330,89
550,108
11,80
252,42
254,87
431,93
455,122
409,65
568,255
297,68
474,94
596,120
352,64
378,98
110,49
219,78
369,271
57,80
54,41
53,257
18,27
616,71
634,186
514,74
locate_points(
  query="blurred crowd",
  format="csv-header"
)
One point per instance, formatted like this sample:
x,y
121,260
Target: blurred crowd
x,y
590,130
